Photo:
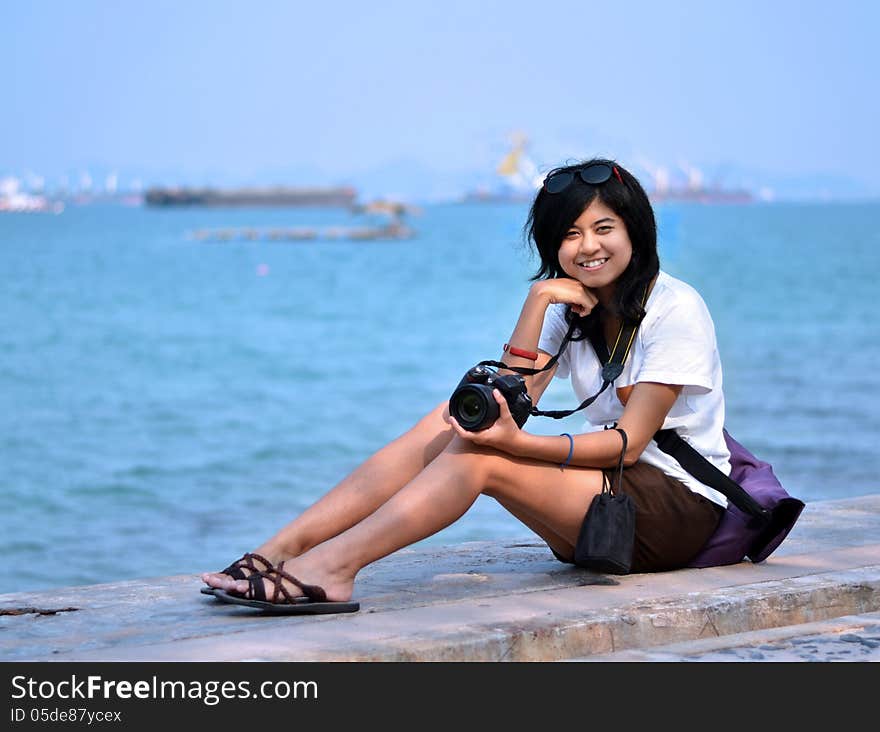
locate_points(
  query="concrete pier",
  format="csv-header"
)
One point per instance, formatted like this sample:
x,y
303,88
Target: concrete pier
x,y
495,601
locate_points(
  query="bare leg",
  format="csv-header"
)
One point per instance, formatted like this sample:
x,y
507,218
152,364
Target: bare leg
x,y
555,499
360,493
554,540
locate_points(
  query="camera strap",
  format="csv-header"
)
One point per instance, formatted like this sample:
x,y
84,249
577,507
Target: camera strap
x,y
525,370
612,366
610,371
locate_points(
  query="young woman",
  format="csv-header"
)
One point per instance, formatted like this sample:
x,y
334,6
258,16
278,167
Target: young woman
x,y
594,230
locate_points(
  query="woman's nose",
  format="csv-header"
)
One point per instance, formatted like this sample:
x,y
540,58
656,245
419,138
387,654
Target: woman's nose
x,y
589,244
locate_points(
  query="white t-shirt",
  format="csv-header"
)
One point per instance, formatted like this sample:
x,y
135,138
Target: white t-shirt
x,y
675,344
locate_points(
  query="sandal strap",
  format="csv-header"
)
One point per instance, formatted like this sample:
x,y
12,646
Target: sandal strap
x,y
246,561
257,588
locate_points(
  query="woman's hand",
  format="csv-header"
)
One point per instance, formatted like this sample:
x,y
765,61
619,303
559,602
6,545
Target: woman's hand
x,y
567,291
503,435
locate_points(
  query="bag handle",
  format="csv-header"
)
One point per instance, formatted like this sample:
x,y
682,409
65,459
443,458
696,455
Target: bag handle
x,y
610,485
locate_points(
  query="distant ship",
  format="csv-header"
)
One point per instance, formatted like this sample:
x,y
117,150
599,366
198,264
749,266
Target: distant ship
x,y
393,228
693,190
14,200
702,195
337,197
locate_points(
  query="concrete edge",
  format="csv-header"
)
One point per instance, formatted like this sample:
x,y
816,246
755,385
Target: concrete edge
x,y
524,634
674,651
746,608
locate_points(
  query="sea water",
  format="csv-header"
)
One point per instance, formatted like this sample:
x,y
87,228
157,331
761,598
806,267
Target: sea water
x,y
167,403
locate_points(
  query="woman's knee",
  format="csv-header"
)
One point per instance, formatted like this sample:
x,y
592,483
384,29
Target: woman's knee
x,y
433,433
434,422
461,446
481,462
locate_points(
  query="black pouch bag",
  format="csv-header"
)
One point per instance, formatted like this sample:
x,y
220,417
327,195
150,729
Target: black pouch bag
x,y
607,536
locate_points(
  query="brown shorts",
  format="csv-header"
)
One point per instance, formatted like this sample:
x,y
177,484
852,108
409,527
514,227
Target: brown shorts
x,y
672,522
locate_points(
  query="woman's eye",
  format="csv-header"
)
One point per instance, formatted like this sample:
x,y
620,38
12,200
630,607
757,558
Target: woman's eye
x,y
603,229
570,234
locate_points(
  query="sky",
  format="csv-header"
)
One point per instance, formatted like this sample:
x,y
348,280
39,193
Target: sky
x,y
419,99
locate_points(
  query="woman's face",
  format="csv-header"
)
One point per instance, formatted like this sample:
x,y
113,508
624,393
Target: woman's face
x,y
596,249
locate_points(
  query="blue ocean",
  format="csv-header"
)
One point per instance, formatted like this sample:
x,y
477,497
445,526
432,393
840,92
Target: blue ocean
x,y
166,403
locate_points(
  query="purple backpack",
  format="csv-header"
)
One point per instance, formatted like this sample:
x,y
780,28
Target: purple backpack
x,y
739,535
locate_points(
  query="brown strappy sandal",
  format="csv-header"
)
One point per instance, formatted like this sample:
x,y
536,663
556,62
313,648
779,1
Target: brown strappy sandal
x,y
234,570
283,601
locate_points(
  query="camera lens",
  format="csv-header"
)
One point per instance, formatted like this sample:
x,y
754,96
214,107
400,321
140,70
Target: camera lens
x,y
471,407
474,407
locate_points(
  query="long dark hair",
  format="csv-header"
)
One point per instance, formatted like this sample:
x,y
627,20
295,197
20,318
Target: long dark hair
x,y
552,215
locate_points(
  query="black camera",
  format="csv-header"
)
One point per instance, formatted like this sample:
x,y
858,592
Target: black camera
x,y
473,404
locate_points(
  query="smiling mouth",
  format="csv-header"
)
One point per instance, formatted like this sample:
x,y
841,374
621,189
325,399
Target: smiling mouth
x,y
592,264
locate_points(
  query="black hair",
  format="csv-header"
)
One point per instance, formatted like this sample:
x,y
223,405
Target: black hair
x,y
552,215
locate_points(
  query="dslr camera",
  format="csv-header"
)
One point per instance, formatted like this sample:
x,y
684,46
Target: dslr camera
x,y
473,404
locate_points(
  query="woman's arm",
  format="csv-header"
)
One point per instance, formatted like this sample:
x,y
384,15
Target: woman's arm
x,y
646,409
541,381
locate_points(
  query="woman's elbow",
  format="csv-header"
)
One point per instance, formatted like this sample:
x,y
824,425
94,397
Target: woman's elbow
x,y
633,453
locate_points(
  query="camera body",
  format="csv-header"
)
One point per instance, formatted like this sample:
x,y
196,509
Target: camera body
x,y
473,404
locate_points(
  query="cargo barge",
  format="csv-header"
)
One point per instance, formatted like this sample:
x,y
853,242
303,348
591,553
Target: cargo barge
x,y
335,197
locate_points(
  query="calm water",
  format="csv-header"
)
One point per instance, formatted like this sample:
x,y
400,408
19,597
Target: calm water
x,y
164,406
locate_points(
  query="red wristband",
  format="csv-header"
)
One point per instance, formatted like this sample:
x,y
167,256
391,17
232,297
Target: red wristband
x,y
514,351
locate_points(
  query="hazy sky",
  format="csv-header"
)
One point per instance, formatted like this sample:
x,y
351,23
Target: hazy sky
x,y
401,91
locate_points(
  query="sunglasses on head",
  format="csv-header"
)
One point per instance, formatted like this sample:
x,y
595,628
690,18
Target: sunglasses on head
x,y
593,174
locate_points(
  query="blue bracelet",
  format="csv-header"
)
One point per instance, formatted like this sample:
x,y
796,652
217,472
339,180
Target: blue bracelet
x,y
570,449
